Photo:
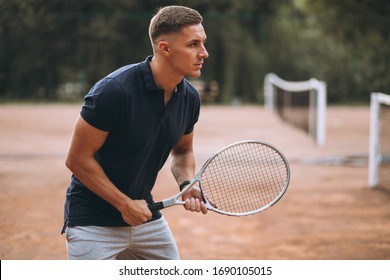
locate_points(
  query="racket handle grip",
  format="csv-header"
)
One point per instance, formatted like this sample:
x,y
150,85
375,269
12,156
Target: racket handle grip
x,y
156,206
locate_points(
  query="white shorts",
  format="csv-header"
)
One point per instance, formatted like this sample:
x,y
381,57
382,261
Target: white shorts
x,y
153,241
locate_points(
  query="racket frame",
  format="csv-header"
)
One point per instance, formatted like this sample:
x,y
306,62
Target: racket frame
x,y
175,200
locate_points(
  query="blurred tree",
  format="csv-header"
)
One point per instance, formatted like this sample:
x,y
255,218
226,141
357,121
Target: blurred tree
x,y
47,44
28,61
354,44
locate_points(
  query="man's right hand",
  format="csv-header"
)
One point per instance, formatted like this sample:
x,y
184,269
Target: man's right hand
x,y
136,212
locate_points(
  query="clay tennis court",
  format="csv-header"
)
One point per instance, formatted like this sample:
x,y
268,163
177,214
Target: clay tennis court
x,y
328,211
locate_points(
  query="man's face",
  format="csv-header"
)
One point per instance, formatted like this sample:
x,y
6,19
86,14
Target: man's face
x,y
188,51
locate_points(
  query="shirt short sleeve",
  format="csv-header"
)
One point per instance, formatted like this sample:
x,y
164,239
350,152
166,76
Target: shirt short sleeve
x,y
105,104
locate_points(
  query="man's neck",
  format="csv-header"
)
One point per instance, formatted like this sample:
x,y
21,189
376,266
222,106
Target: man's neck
x,y
164,77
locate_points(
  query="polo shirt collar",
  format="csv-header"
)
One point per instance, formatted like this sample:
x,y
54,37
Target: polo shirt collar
x,y
149,80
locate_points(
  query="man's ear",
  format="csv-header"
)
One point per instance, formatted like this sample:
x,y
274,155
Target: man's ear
x,y
163,46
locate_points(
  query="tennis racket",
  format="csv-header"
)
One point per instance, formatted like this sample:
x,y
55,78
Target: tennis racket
x,y
241,179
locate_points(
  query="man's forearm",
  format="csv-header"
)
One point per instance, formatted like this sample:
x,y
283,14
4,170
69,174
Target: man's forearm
x,y
183,166
90,173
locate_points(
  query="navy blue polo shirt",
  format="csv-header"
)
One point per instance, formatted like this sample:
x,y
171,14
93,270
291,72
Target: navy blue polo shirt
x,y
142,131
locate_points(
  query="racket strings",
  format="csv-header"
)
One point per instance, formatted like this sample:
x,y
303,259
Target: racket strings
x,y
245,177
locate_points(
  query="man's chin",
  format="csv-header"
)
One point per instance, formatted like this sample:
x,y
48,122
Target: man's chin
x,y
194,74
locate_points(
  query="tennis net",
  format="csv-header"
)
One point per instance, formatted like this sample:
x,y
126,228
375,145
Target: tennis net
x,y
302,104
379,153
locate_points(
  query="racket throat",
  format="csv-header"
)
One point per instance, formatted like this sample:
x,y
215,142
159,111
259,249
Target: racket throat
x,y
172,201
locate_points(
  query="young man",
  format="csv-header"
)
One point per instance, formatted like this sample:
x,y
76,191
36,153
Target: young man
x,y
129,124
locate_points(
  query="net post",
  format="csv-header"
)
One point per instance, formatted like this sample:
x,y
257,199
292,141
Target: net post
x,y
374,141
269,92
321,115
313,110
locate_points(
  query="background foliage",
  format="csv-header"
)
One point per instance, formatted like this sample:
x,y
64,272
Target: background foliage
x,y
54,50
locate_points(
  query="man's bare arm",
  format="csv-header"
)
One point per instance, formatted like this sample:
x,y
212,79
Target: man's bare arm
x,y
183,168
86,141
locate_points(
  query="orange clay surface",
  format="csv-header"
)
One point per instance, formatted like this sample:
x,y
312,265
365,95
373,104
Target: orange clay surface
x,y
328,212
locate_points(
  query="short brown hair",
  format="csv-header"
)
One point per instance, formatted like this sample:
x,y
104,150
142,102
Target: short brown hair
x,y
171,19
